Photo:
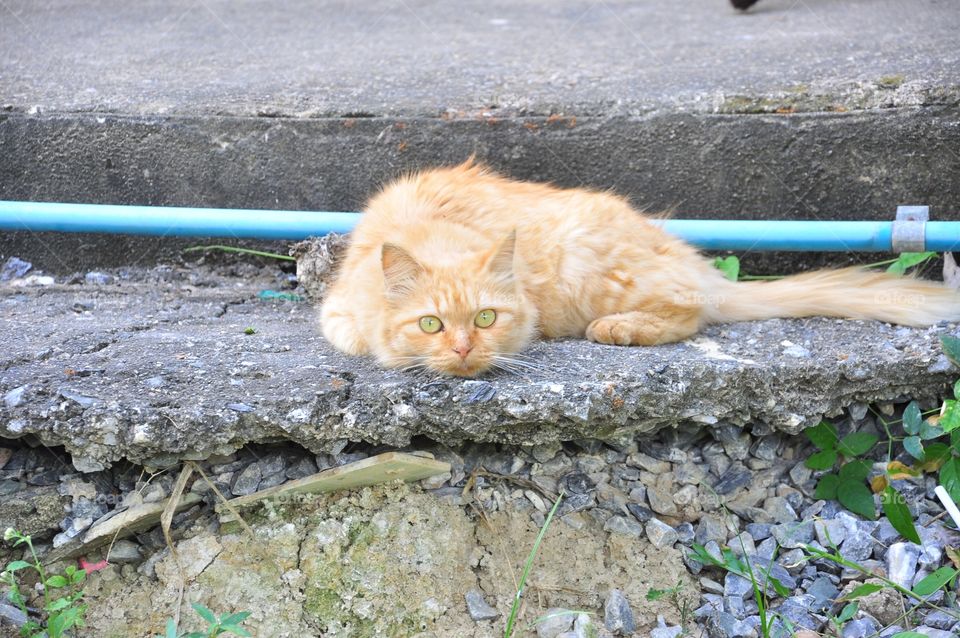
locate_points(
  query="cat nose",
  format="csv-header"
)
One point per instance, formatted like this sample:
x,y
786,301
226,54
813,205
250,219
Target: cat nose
x,y
463,351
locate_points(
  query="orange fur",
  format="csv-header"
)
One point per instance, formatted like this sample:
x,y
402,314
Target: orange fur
x,y
557,262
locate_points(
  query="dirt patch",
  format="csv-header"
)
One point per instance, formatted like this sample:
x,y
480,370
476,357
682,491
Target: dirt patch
x,y
384,561
576,567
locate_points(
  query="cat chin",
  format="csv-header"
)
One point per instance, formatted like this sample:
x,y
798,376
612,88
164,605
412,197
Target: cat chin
x,y
468,371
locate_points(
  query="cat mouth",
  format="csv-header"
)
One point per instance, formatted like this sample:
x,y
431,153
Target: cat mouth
x,y
467,369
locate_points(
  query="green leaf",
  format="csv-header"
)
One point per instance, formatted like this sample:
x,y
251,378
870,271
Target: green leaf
x,y
205,613
848,612
823,435
908,260
171,630
935,581
936,452
855,496
78,576
56,581
778,587
929,431
56,625
914,447
908,634
18,565
823,460
950,420
899,515
827,487
234,619
58,604
729,266
854,471
912,418
863,590
857,443
731,561
950,478
237,629
701,555
951,348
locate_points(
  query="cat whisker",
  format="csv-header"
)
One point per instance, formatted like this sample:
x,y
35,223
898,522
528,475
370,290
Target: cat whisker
x,y
521,364
510,366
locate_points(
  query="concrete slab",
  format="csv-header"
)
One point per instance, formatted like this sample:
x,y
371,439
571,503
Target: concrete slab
x,y
795,109
416,58
159,367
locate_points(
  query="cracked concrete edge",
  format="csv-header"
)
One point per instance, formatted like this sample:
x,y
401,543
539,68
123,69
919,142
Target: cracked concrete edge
x,y
600,394
219,388
890,91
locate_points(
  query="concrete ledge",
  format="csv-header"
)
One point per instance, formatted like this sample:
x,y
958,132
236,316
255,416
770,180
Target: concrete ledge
x,y
801,166
161,369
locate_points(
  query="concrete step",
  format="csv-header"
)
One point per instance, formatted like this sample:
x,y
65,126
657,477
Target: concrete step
x,y
818,110
159,366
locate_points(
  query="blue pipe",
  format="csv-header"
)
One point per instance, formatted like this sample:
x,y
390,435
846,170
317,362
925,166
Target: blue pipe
x,y
714,234
170,221
275,224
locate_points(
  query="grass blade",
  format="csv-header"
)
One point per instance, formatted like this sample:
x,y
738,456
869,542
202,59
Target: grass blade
x,y
514,610
244,251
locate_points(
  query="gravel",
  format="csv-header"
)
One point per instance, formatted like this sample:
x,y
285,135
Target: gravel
x,y
646,490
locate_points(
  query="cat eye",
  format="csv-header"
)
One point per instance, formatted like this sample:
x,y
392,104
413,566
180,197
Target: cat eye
x,y
430,324
485,318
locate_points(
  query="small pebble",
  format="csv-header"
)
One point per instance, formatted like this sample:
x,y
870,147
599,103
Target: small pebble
x,y
555,621
98,278
478,608
661,534
617,615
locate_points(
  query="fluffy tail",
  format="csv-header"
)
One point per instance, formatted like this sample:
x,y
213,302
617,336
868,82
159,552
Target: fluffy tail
x,y
848,292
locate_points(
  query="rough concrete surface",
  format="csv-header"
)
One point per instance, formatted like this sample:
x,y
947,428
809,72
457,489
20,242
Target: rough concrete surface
x,y
815,109
420,58
162,369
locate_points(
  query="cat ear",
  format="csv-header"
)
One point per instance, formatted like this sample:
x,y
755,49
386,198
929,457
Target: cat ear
x,y
400,269
500,261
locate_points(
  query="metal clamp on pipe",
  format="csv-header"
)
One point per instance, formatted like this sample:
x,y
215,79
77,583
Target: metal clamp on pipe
x,y
909,232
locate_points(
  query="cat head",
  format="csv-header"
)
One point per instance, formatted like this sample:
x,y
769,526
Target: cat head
x,y
458,319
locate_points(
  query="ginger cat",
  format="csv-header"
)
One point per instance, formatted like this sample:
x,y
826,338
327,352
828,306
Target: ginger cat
x,y
458,269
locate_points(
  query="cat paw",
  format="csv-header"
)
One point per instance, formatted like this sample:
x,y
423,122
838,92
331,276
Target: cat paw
x,y
612,331
343,336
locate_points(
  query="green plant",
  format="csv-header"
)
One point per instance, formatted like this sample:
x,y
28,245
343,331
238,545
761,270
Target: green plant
x,y
743,567
848,485
730,266
906,261
846,613
682,605
933,582
61,613
226,623
515,608
933,442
